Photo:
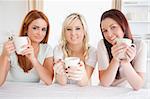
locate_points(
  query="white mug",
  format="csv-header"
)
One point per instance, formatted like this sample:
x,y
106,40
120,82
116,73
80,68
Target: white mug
x,y
71,61
126,41
20,42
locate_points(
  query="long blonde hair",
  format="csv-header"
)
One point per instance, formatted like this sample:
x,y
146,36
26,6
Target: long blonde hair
x,y
70,19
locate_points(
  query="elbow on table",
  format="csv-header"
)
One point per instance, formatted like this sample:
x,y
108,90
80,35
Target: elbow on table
x,y
48,83
82,85
104,84
136,88
62,83
138,85
1,83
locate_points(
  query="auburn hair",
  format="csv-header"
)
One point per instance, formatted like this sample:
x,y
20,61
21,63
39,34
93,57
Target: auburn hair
x,y
24,62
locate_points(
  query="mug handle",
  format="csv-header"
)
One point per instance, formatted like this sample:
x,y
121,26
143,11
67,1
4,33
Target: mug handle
x,y
133,45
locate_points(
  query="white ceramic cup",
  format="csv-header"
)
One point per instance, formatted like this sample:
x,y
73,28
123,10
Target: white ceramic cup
x,y
20,42
126,41
72,61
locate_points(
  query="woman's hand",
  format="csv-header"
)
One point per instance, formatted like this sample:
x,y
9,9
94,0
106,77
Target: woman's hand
x,y
59,68
117,50
29,51
8,48
76,73
130,53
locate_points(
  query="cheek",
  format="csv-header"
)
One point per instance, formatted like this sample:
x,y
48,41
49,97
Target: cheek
x,y
31,31
82,36
81,33
107,36
43,34
67,35
120,34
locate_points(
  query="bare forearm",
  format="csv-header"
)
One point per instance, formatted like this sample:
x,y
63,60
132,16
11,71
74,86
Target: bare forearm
x,y
4,66
45,75
135,80
108,76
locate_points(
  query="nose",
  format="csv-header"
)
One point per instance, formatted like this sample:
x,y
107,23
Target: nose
x,y
39,31
73,32
110,33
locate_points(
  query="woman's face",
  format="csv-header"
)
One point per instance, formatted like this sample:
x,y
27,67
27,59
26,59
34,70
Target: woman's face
x,y
74,33
111,30
37,30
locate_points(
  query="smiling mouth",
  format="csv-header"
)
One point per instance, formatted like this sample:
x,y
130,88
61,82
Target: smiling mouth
x,y
74,38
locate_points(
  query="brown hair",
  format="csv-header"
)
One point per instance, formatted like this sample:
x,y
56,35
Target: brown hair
x,y
24,63
119,17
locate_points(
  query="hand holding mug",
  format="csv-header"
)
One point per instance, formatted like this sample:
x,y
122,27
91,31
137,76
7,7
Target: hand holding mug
x,y
125,42
59,67
130,53
20,42
28,51
76,73
8,48
118,49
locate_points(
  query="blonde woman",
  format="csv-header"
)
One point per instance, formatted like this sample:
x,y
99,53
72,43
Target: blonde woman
x,y
74,43
35,63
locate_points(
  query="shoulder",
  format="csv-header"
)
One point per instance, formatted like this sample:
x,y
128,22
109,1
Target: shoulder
x,y
47,46
91,49
92,58
58,52
101,42
138,41
140,44
46,50
58,48
101,48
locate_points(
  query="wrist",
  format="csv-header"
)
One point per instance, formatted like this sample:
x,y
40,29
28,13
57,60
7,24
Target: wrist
x,y
116,60
124,62
5,57
34,61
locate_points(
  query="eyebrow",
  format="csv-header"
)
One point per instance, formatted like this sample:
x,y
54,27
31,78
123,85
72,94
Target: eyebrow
x,y
111,24
38,26
78,26
74,26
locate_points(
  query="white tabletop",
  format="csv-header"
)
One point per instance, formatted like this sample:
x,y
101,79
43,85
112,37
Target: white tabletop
x,y
13,90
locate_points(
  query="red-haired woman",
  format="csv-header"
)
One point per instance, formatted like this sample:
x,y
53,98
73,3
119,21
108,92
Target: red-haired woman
x,y
35,63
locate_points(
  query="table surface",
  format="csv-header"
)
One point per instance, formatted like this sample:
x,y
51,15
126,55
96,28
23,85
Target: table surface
x,y
16,90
